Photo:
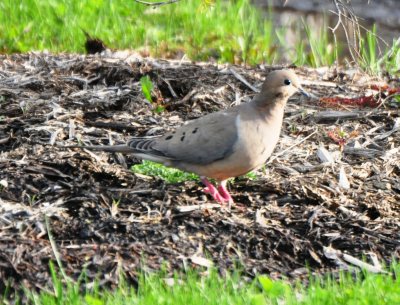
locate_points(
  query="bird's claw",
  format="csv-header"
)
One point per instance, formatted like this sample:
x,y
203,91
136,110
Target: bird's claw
x,y
221,195
215,194
225,194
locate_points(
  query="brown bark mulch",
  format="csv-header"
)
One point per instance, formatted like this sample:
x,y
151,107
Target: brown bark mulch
x,y
299,214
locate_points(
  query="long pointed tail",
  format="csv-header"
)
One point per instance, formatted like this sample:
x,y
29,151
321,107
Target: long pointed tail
x,y
107,148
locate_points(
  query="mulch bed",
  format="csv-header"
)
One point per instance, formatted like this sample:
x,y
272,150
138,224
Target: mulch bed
x,y
299,214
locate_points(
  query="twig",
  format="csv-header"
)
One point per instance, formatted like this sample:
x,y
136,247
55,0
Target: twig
x,y
196,207
344,11
356,262
339,5
156,3
186,98
390,52
240,78
290,147
366,29
173,93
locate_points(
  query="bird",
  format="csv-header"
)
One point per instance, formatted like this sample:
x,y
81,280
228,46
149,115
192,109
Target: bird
x,y
93,45
222,144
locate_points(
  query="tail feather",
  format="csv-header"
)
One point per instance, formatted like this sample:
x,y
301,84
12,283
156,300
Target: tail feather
x,y
139,153
107,148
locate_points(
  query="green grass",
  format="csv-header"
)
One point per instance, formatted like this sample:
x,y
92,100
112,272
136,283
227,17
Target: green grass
x,y
368,56
147,87
192,288
322,52
371,61
390,61
170,175
228,31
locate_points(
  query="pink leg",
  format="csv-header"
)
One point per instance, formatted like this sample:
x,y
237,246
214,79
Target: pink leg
x,y
210,189
224,192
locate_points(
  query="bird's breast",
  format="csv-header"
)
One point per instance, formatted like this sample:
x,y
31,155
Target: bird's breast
x,y
258,138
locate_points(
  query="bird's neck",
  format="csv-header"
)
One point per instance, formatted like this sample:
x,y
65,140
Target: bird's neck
x,y
270,105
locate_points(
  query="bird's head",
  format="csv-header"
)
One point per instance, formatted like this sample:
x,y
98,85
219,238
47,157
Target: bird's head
x,y
280,85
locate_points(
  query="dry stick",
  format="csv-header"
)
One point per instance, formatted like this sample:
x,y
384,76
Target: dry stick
x,y
390,52
156,3
240,78
355,261
340,13
333,30
353,49
364,28
186,98
173,93
196,207
356,30
290,147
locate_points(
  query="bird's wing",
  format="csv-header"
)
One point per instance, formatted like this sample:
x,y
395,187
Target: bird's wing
x,y
202,141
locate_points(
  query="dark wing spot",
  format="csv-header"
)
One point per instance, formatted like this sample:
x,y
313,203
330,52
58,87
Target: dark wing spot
x,y
195,130
183,133
169,137
183,138
279,94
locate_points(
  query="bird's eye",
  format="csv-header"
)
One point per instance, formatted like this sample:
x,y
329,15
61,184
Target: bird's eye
x,y
287,82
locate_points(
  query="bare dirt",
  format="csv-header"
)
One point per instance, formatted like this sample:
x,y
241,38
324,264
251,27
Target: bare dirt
x,y
296,214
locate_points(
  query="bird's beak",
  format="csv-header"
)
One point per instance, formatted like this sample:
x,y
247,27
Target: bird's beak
x,y
305,93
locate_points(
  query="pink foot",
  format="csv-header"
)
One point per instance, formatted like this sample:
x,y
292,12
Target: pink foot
x,y
219,194
224,193
210,189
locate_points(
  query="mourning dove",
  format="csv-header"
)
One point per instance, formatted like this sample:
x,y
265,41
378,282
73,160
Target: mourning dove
x,y
223,144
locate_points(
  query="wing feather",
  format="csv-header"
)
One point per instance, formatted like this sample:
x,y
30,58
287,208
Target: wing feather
x,y
201,141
